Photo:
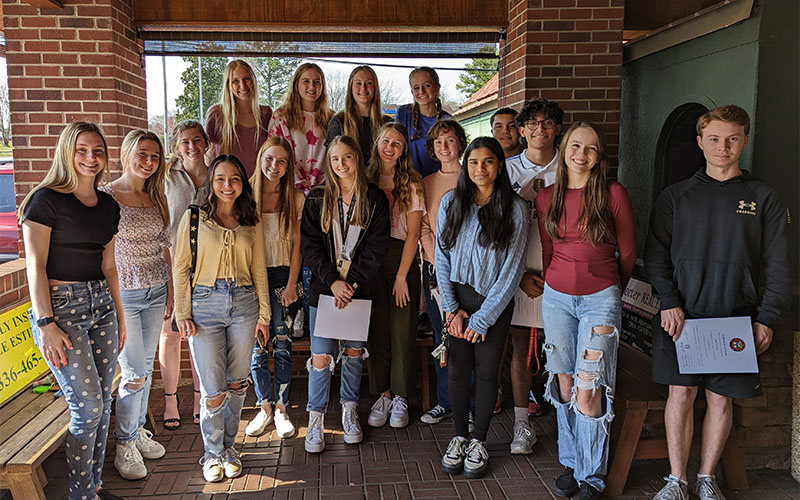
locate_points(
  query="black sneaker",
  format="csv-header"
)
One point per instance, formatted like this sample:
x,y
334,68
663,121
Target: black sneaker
x,y
565,484
588,492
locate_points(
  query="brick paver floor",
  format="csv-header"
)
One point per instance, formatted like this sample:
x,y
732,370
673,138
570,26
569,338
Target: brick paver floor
x,y
388,464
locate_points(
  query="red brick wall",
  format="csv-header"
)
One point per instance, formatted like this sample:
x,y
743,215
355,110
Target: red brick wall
x,y
568,51
81,62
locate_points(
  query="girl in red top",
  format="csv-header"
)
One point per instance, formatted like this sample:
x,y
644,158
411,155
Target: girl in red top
x,y
585,220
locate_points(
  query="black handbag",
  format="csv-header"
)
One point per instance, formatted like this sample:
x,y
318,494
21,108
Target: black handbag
x,y
194,223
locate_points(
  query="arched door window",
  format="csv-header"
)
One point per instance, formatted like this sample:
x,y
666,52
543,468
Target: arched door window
x,y
677,156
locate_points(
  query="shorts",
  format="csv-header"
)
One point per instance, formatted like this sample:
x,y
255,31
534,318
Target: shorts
x,y
665,371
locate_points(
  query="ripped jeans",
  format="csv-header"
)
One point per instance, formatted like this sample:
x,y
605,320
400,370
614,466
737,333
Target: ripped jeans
x,y
319,380
144,315
226,317
574,347
281,338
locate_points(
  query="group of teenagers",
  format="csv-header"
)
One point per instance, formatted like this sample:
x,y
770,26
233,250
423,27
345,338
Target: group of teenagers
x,y
259,213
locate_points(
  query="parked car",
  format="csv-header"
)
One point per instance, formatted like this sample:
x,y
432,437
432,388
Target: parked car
x,y
9,246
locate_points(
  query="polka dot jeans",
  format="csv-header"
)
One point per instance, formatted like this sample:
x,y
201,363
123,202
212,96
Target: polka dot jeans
x,y
85,312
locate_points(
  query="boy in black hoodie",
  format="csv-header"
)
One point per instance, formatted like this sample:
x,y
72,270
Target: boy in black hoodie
x,y
717,247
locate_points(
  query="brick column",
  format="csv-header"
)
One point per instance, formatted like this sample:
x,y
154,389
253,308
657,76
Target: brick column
x,y
81,62
569,51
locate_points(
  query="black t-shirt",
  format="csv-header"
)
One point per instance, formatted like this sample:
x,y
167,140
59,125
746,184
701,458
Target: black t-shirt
x,y
78,233
365,139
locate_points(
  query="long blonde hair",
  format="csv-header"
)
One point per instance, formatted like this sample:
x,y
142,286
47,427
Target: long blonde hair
x,y
595,216
287,194
415,111
332,191
176,136
62,177
351,120
293,103
406,179
228,106
153,185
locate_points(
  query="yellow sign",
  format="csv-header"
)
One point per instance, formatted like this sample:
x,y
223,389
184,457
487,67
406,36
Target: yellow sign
x,y
20,359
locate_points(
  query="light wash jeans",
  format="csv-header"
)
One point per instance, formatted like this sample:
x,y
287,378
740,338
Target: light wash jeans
x,y
86,313
281,337
226,317
319,379
568,323
144,315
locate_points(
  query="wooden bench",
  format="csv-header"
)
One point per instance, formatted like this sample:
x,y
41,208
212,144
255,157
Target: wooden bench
x,y
32,427
640,403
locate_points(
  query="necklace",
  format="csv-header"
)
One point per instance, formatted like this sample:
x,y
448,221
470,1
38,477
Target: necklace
x,y
133,191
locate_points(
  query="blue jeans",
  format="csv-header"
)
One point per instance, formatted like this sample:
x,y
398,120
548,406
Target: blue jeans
x,y
226,317
86,313
144,315
568,324
319,379
281,337
442,393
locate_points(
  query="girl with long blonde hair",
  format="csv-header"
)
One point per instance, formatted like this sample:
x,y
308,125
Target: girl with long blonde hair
x,y
238,124
362,115
394,317
184,185
280,206
143,265
303,119
345,230
69,227
419,116
588,252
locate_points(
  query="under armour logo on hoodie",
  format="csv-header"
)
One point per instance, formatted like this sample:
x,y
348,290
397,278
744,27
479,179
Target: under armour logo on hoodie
x,y
746,208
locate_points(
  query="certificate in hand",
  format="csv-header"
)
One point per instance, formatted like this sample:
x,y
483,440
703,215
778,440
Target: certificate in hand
x,y
717,345
350,323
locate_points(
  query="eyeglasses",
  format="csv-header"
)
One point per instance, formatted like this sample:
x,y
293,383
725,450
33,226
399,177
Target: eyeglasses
x,y
546,124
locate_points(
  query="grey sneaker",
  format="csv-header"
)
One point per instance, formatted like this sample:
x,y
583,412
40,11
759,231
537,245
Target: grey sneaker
x,y
675,489
399,415
453,459
379,413
352,429
706,489
524,439
128,461
231,463
315,433
476,461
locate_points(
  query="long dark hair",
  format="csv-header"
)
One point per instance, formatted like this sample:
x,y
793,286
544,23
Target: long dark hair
x,y
495,217
595,216
244,208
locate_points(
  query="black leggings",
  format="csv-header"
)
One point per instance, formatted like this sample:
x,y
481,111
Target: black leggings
x,y
484,357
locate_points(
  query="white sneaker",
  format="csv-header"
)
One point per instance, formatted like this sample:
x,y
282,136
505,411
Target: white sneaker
x,y
128,461
352,429
315,434
675,489
298,327
706,489
283,426
524,438
379,412
399,417
231,463
212,468
147,446
259,424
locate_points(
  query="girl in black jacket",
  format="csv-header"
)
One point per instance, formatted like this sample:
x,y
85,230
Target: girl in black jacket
x,y
344,237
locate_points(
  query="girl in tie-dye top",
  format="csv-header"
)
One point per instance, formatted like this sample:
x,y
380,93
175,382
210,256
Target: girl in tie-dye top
x,y
302,120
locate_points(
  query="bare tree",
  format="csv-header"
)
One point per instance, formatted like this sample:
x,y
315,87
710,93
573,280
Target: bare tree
x,y
336,81
5,115
390,92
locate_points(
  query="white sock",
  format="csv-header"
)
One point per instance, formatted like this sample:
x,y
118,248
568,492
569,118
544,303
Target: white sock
x,y
521,414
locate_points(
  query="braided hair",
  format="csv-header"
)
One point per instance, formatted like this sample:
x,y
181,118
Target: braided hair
x,y
415,112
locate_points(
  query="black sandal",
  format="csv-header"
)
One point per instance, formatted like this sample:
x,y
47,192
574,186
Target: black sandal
x,y
196,416
173,424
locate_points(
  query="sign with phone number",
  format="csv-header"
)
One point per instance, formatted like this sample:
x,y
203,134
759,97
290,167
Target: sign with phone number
x,y
20,359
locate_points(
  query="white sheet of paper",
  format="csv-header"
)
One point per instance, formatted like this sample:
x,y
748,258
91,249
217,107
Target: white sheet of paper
x,y
527,311
350,323
717,345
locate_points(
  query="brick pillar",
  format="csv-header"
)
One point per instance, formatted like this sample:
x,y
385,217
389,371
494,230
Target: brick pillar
x,y
569,51
81,62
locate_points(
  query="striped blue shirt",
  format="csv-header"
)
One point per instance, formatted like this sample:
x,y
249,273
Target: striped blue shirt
x,y
493,273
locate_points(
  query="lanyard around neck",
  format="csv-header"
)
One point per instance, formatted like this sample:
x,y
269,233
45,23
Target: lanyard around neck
x,y
343,224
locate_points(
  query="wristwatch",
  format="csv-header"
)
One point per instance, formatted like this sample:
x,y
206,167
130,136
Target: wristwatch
x,y
45,321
